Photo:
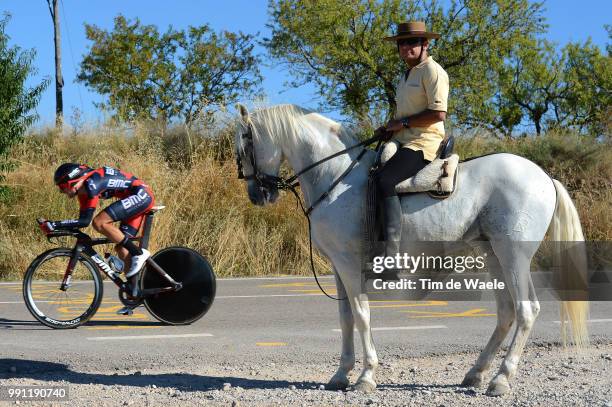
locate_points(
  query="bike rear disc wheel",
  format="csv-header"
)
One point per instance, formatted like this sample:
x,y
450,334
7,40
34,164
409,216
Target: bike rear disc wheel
x,y
57,308
193,300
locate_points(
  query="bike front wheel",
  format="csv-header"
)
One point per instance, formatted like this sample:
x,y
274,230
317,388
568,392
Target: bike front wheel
x,y
196,296
56,306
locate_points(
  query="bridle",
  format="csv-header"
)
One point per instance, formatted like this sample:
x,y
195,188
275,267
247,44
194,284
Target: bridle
x,y
264,180
261,178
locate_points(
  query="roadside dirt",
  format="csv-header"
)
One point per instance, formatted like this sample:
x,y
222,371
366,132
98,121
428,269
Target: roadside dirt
x,y
548,376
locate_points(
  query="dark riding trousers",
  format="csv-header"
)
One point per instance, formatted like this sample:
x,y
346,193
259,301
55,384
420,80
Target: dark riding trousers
x,y
403,165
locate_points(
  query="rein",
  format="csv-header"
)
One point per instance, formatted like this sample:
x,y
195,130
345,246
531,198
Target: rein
x,y
291,183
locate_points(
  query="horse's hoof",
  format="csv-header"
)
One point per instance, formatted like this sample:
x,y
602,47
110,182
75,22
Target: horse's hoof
x,y
472,380
498,386
337,383
364,386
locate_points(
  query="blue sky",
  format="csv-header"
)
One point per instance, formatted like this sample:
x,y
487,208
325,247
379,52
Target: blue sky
x,y
31,27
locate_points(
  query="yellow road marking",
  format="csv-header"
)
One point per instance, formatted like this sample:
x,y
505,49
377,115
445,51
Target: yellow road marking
x,y
431,303
16,289
331,291
271,344
111,313
476,312
114,317
61,301
105,313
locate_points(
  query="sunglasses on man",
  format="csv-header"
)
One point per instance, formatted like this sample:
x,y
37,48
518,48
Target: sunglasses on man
x,y
409,41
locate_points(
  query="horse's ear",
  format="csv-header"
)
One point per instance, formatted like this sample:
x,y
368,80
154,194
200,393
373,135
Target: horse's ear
x,y
244,113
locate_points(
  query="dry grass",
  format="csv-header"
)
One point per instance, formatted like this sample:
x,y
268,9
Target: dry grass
x,y
207,206
208,209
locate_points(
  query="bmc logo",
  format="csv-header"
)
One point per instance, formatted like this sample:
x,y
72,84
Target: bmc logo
x,y
118,183
104,266
74,173
134,200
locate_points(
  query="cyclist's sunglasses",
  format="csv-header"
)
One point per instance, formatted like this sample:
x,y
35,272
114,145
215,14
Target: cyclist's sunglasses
x,y
67,185
409,41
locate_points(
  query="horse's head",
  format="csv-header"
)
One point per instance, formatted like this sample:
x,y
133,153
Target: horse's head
x,y
258,159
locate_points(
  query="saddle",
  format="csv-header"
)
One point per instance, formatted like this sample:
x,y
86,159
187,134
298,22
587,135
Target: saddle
x,y
438,178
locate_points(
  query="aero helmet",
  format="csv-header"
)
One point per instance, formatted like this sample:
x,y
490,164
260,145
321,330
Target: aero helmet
x,y
70,173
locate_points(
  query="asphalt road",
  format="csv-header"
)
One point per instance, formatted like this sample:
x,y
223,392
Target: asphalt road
x,y
261,317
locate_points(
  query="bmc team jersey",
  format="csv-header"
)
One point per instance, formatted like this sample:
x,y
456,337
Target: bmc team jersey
x,y
134,199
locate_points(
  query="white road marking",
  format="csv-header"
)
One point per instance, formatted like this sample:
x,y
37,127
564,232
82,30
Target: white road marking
x,y
591,320
58,282
137,337
273,278
219,297
218,279
268,295
404,328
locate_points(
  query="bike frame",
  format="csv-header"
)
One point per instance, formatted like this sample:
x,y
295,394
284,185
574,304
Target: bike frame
x,y
85,245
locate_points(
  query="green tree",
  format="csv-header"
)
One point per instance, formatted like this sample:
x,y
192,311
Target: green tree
x,y
531,81
586,103
182,74
17,101
337,45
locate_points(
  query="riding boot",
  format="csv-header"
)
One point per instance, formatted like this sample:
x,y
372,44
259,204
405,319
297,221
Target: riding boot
x,y
393,225
393,230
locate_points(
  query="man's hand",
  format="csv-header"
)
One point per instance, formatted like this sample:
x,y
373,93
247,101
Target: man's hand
x,y
383,134
394,125
46,227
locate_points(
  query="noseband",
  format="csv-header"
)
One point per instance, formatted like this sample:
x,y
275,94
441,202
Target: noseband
x,y
262,179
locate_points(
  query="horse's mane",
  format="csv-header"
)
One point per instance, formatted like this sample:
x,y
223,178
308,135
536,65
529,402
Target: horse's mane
x,y
288,122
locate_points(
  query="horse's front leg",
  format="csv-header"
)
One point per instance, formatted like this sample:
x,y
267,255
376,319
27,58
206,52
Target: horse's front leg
x,y
361,314
339,380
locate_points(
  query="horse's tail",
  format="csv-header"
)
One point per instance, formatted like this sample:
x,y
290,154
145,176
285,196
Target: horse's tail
x,y
572,265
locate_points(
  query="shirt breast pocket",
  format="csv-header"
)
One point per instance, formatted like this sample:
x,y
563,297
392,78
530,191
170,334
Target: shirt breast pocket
x,y
415,90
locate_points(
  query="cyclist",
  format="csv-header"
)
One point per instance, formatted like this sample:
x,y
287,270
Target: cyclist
x,y
135,198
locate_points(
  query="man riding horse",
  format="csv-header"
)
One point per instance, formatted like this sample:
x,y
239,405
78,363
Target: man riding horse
x,y
505,200
421,100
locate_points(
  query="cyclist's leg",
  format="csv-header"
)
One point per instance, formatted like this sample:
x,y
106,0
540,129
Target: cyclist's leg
x,y
103,223
129,228
129,208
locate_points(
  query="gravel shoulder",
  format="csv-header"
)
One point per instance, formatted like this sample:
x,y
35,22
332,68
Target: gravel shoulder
x,y
548,376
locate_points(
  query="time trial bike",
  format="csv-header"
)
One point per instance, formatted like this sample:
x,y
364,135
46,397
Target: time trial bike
x,y
63,287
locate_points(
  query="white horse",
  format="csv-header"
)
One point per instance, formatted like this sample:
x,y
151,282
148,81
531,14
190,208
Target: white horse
x,y
502,198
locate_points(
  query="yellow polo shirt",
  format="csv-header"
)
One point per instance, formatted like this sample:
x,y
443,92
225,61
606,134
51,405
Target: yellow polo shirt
x,y
425,88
